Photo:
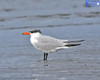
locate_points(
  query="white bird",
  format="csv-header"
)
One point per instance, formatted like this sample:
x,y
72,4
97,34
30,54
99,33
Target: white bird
x,y
49,44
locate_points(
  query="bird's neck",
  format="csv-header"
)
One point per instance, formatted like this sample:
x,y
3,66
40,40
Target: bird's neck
x,y
35,35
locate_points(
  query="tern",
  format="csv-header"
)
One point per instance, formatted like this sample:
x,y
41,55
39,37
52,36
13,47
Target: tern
x,y
48,44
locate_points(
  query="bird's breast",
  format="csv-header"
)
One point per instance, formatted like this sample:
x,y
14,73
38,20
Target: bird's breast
x,y
33,40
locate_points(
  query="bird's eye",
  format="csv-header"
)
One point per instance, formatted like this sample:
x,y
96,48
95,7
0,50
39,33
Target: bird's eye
x,y
31,31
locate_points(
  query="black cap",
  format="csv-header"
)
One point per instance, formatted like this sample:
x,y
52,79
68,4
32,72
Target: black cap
x,y
35,31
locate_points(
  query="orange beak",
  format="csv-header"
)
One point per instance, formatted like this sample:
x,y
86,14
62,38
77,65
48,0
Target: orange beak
x,y
26,33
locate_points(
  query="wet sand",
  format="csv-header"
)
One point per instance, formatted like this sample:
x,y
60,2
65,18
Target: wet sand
x,y
61,19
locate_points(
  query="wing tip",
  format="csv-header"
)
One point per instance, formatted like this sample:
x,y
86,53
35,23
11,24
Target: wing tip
x,y
71,45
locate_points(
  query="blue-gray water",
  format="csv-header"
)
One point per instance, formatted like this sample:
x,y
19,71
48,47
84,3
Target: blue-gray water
x,y
64,19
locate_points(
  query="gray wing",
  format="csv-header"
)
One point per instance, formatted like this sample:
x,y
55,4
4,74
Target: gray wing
x,y
48,44
47,39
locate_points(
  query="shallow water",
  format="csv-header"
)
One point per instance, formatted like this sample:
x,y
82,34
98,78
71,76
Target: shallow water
x,y
63,19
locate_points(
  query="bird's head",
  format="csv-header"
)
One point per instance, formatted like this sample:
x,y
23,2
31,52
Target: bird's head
x,y
33,32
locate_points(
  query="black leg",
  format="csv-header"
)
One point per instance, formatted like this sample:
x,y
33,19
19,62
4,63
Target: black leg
x,y
45,56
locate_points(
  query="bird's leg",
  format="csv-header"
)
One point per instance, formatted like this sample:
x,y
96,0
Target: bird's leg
x,y
45,59
45,56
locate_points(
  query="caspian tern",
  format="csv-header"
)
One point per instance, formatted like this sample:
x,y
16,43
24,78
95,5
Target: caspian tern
x,y
49,44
